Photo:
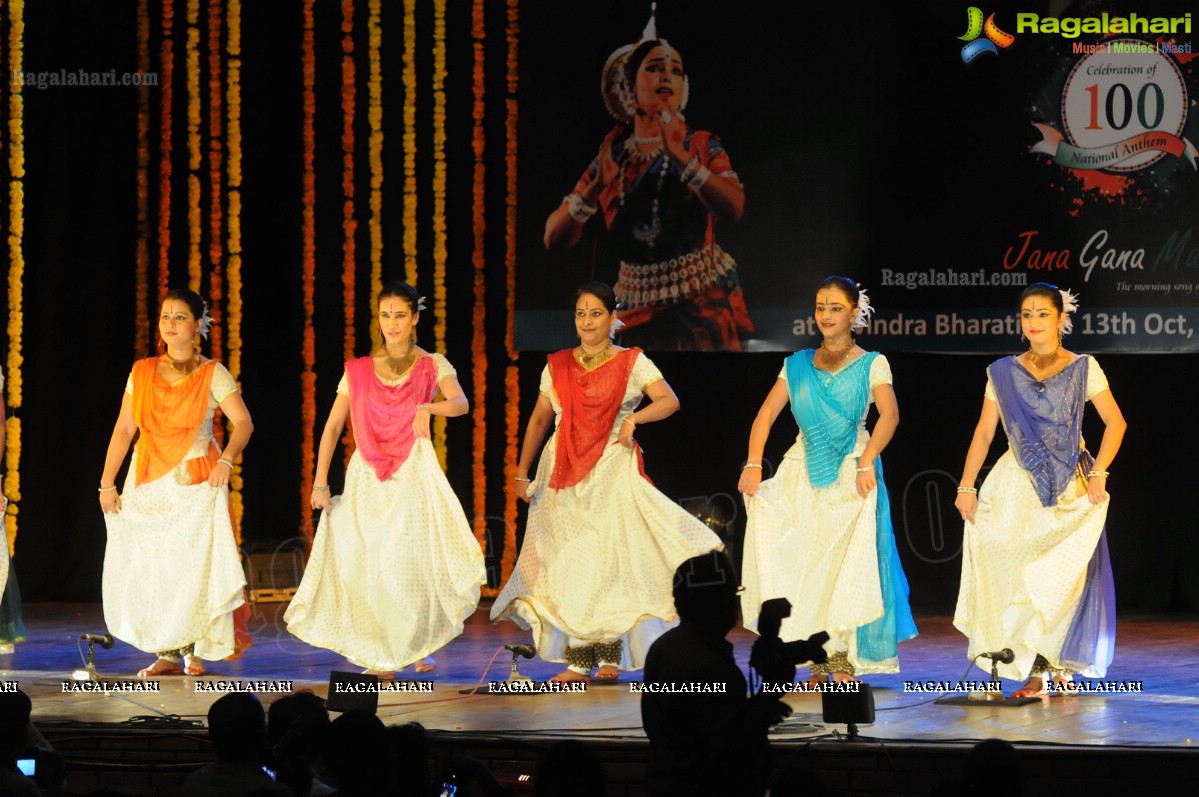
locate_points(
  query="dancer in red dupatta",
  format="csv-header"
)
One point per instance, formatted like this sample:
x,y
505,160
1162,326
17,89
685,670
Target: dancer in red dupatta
x,y
593,581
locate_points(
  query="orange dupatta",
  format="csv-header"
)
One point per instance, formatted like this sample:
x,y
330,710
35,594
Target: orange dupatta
x,y
169,415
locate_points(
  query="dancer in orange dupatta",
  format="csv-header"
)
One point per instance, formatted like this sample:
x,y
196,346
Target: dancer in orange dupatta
x,y
593,581
172,574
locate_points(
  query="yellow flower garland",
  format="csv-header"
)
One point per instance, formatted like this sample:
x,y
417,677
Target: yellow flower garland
x,y
16,266
216,290
233,271
439,221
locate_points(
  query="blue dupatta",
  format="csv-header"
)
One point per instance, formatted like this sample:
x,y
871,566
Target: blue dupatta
x,y
829,410
1043,422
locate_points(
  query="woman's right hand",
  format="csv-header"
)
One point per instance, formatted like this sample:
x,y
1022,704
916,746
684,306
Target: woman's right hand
x,y
749,481
110,501
967,504
321,499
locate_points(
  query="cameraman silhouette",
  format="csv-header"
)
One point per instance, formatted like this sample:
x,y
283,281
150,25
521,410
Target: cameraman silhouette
x,y
707,735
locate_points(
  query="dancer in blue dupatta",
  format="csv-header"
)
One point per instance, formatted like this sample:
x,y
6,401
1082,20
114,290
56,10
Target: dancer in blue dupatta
x,y
1036,576
819,531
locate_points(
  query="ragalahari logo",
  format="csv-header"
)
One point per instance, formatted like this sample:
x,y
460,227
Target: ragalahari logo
x,y
975,27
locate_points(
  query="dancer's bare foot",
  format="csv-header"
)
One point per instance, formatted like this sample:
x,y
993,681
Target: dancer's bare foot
x,y
159,668
845,678
607,672
427,664
382,675
1033,687
569,676
816,680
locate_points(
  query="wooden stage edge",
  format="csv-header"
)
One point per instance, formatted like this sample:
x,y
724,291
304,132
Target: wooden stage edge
x,y
145,743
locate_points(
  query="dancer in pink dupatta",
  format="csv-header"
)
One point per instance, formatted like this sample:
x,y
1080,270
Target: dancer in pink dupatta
x,y
395,569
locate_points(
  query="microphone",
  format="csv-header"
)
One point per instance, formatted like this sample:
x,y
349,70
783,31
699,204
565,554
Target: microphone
x,y
103,640
528,651
1004,656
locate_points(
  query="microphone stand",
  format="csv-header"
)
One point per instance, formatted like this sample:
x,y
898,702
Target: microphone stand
x,y
88,671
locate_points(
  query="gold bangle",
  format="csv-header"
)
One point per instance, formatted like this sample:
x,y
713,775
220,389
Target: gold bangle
x,y
866,469
629,420
316,489
971,490
112,489
757,465
1095,473
226,463
521,479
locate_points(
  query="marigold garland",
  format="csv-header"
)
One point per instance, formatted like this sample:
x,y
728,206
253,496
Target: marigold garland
x,y
166,94
439,221
193,145
374,117
349,225
478,343
141,336
216,290
233,227
16,267
409,116
308,261
511,379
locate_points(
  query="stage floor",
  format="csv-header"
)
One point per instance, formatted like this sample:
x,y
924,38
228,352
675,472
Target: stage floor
x,y
1159,652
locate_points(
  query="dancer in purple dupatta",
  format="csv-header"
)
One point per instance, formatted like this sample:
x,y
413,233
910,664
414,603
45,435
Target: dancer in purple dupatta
x,y
1036,576
819,531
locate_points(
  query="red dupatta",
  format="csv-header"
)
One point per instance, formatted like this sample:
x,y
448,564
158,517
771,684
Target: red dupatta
x,y
590,401
382,414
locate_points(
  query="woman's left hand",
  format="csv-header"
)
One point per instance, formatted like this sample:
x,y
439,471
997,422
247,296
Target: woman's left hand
x,y
625,435
420,423
865,481
219,475
1097,489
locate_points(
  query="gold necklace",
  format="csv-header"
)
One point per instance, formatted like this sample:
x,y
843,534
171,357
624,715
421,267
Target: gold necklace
x,y
830,353
399,365
593,359
184,367
1036,363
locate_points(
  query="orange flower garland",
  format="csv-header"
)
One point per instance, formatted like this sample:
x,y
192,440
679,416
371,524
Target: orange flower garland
x,y
193,145
409,77
478,343
233,272
215,251
308,259
349,225
141,336
166,95
374,117
439,224
511,381
16,265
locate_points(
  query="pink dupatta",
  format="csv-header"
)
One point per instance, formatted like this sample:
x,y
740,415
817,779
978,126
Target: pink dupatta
x,y
382,414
